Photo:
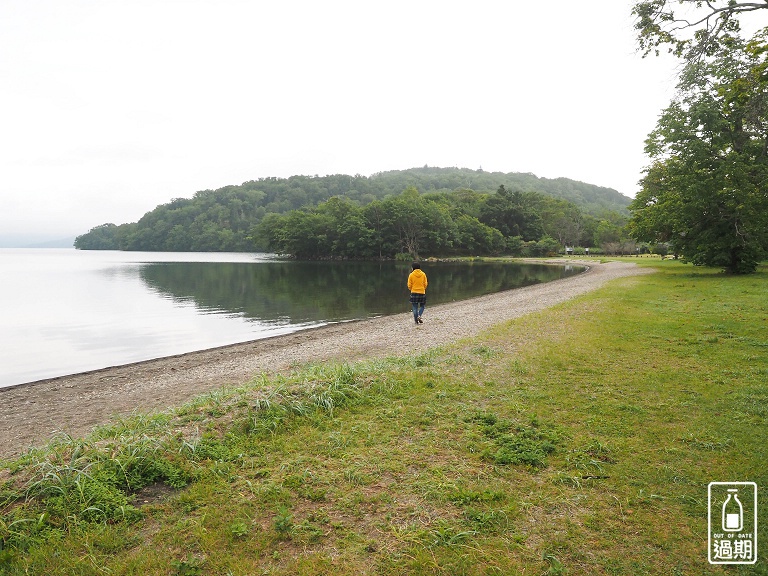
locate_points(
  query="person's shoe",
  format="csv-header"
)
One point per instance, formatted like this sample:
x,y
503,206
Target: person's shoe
x,y
419,320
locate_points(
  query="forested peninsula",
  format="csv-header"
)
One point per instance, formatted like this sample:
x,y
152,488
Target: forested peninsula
x,y
417,212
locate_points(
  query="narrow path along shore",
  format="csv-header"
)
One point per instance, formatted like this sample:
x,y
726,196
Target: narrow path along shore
x,y
30,414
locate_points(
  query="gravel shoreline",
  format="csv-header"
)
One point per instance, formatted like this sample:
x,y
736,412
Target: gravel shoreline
x,y
31,413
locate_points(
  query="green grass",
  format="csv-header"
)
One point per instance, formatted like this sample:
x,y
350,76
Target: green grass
x,y
578,440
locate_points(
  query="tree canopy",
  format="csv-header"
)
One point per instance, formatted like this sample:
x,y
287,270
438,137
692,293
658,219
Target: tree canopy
x,y
706,190
434,224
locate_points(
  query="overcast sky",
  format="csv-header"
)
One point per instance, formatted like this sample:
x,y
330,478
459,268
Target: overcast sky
x,y
111,107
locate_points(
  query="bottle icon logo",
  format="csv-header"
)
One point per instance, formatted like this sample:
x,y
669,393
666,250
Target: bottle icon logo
x,y
733,512
732,522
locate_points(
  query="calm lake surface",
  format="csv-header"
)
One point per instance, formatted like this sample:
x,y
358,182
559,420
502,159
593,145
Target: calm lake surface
x,y
67,311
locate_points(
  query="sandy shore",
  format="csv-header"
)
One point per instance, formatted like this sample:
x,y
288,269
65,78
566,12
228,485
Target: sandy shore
x,y
31,413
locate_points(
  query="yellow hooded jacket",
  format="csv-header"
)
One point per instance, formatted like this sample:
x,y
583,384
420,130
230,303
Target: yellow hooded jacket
x,y
417,282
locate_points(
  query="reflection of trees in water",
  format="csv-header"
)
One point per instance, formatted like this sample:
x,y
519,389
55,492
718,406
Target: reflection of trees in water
x,y
330,291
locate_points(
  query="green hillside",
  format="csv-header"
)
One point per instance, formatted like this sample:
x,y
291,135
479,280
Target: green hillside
x,y
227,219
592,199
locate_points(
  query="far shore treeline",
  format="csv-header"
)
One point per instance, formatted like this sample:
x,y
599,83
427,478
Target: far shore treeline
x,y
417,212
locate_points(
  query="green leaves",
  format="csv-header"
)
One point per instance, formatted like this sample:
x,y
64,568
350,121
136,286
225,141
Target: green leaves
x,y
691,29
704,193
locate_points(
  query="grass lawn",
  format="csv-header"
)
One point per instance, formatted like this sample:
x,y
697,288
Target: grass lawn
x,y
577,440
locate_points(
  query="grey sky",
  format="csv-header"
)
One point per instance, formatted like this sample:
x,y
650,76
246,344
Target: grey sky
x,y
110,107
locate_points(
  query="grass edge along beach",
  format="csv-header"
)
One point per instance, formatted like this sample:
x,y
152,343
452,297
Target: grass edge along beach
x,y
576,440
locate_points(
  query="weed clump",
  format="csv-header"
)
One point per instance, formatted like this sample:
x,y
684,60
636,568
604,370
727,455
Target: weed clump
x,y
515,443
78,481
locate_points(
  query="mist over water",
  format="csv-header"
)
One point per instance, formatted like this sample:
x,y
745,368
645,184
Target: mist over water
x,y
66,311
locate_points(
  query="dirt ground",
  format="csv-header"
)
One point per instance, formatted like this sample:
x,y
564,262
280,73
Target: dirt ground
x,y
30,414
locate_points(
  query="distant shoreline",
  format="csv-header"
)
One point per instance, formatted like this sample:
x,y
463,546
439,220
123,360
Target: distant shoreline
x,y
65,243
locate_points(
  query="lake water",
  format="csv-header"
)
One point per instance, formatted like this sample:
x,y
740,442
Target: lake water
x,y
67,311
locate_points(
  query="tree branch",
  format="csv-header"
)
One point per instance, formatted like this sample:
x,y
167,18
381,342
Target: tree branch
x,y
657,23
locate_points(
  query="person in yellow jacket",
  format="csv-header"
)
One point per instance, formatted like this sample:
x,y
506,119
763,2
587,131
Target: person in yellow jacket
x,y
417,286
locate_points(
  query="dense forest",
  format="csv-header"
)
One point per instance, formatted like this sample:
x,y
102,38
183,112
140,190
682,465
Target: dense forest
x,y
421,211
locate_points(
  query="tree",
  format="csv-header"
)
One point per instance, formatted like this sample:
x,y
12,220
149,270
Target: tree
x,y
706,191
513,214
416,224
547,246
475,237
348,233
607,232
690,28
562,220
